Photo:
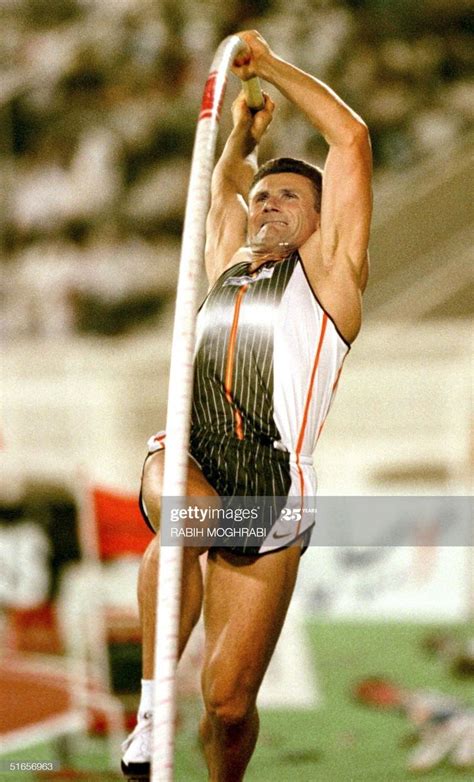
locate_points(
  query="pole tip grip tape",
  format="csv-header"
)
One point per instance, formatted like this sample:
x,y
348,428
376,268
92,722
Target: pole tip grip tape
x,y
253,94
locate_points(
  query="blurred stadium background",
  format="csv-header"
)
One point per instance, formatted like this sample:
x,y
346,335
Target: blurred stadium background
x,y
98,108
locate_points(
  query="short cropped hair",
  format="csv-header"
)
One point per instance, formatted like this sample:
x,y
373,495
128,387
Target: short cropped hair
x,y
291,165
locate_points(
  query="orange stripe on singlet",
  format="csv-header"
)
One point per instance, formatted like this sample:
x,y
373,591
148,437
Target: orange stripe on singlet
x,y
333,391
229,369
309,395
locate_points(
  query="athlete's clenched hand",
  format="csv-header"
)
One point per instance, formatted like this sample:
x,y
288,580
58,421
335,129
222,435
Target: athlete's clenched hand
x,y
250,60
255,122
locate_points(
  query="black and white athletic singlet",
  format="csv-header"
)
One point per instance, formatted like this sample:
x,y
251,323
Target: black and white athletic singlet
x,y
267,363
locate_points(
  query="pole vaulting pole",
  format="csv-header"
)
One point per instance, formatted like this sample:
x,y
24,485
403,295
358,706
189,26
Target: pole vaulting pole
x,y
180,392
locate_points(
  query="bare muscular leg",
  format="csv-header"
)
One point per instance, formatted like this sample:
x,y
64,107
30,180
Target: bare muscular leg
x,y
192,587
245,604
246,600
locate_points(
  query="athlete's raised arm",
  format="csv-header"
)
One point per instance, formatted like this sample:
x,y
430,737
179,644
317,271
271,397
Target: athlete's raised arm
x,y
347,198
226,226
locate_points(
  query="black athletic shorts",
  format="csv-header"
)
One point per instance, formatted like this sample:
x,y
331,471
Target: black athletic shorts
x,y
240,468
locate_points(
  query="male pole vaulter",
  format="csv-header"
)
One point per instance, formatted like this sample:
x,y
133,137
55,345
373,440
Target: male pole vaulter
x,y
286,258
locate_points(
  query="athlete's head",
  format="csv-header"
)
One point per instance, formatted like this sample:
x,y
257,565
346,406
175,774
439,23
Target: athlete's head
x,y
291,165
284,204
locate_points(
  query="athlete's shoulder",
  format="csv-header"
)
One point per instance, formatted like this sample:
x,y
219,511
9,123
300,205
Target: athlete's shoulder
x,y
241,258
243,255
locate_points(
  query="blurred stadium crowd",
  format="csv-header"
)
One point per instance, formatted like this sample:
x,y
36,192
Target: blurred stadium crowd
x,y
98,108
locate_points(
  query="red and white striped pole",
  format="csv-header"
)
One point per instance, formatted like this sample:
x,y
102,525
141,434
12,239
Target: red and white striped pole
x,y
180,392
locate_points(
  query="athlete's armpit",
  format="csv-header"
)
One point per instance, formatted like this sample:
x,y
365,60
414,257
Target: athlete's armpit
x,y
225,230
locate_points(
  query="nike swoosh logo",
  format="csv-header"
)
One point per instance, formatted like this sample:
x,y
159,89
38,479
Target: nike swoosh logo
x,y
278,537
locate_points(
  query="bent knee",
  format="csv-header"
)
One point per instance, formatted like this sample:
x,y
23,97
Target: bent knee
x,y
230,708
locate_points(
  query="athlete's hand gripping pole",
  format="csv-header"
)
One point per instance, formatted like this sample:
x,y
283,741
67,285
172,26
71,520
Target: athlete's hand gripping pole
x,y
179,396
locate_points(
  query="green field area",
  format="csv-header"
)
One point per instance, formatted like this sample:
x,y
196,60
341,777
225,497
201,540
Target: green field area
x,y
341,741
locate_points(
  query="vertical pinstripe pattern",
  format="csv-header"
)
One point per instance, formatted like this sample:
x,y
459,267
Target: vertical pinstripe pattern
x,y
268,359
233,427
229,370
234,353
263,340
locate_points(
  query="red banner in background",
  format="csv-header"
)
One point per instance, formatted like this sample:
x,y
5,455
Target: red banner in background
x,y
120,525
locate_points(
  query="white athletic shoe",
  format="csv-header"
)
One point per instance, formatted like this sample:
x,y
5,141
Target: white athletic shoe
x,y
136,758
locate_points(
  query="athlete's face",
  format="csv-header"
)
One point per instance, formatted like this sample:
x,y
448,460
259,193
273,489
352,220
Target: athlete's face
x,y
281,212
